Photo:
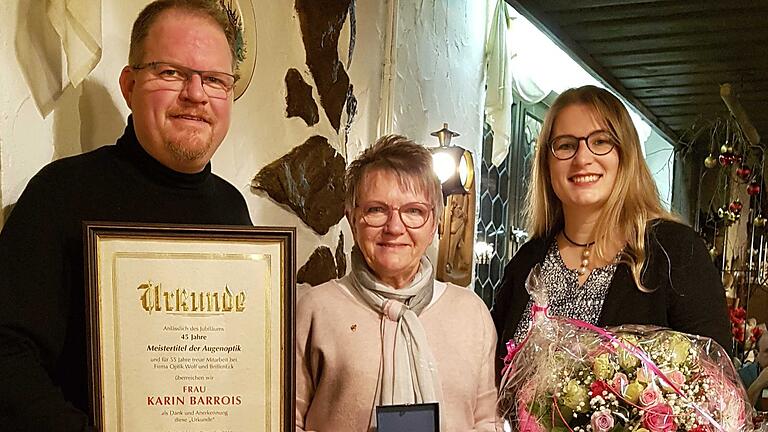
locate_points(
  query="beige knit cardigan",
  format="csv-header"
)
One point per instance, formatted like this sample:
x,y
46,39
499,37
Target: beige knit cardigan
x,y
338,354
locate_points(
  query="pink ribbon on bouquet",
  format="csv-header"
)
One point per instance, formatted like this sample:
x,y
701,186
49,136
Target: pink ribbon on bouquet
x,y
512,347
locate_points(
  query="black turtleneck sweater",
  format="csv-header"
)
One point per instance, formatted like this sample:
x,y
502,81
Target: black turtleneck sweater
x,y
43,357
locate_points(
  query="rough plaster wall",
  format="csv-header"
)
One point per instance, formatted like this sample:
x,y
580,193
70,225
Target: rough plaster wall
x,y
439,74
439,70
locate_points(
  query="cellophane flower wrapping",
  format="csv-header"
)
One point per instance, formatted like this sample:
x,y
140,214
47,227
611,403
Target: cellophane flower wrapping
x,y
567,375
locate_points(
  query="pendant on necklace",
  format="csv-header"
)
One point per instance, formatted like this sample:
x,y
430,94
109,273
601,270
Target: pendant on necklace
x,y
584,254
584,260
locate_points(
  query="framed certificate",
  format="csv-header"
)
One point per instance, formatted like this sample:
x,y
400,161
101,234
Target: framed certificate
x,y
191,327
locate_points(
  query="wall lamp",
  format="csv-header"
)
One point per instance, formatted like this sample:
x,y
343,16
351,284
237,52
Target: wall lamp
x,y
483,252
453,165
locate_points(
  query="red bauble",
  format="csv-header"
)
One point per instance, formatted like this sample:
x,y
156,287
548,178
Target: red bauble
x,y
724,159
753,188
736,206
744,172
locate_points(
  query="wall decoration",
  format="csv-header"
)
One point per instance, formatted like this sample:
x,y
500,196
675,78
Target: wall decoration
x,y
350,111
454,167
319,268
298,98
242,17
457,233
341,257
321,23
310,180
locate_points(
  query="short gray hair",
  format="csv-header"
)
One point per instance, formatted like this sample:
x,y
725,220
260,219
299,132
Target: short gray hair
x,y
411,162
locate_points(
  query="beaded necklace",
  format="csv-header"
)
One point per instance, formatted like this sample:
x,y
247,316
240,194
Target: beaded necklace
x,y
584,254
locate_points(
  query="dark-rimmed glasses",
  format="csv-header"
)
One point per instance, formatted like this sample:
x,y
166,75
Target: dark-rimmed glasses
x,y
599,142
175,77
413,215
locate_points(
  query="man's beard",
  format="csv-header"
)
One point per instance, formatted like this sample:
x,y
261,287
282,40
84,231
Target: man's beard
x,y
182,150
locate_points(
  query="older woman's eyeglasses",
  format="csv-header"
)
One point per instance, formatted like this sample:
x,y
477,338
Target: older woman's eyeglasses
x,y
599,142
175,77
413,215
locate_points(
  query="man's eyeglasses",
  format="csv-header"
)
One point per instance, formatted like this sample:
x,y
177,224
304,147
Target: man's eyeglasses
x,y
174,77
413,215
599,142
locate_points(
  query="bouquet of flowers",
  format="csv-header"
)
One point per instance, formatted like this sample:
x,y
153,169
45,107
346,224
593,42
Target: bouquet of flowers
x,y
567,375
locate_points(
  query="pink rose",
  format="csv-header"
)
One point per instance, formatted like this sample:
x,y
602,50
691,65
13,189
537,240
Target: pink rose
x,y
619,383
602,421
677,378
650,396
527,422
659,418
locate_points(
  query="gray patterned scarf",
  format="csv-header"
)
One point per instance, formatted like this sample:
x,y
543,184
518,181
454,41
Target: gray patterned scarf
x,y
408,371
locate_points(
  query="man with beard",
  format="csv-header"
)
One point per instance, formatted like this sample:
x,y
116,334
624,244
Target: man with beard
x,y
179,87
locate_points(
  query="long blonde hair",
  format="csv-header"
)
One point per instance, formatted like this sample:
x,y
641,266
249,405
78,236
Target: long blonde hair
x,y
634,200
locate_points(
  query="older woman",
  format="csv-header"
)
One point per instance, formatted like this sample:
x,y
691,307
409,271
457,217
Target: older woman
x,y
610,253
389,333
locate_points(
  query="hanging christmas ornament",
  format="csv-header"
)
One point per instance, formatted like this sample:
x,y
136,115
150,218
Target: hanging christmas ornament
x,y
743,172
721,212
753,188
736,159
725,148
735,207
724,159
731,217
710,162
759,221
713,252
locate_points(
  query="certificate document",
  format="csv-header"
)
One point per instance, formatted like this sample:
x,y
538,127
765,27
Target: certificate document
x,y
191,327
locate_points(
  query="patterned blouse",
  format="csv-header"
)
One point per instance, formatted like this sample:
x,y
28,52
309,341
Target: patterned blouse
x,y
566,297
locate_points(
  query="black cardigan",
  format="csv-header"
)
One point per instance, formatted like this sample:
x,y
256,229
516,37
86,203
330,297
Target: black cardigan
x,y
687,293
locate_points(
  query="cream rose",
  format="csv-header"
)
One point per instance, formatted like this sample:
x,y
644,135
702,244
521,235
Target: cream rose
x,y
602,367
575,396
